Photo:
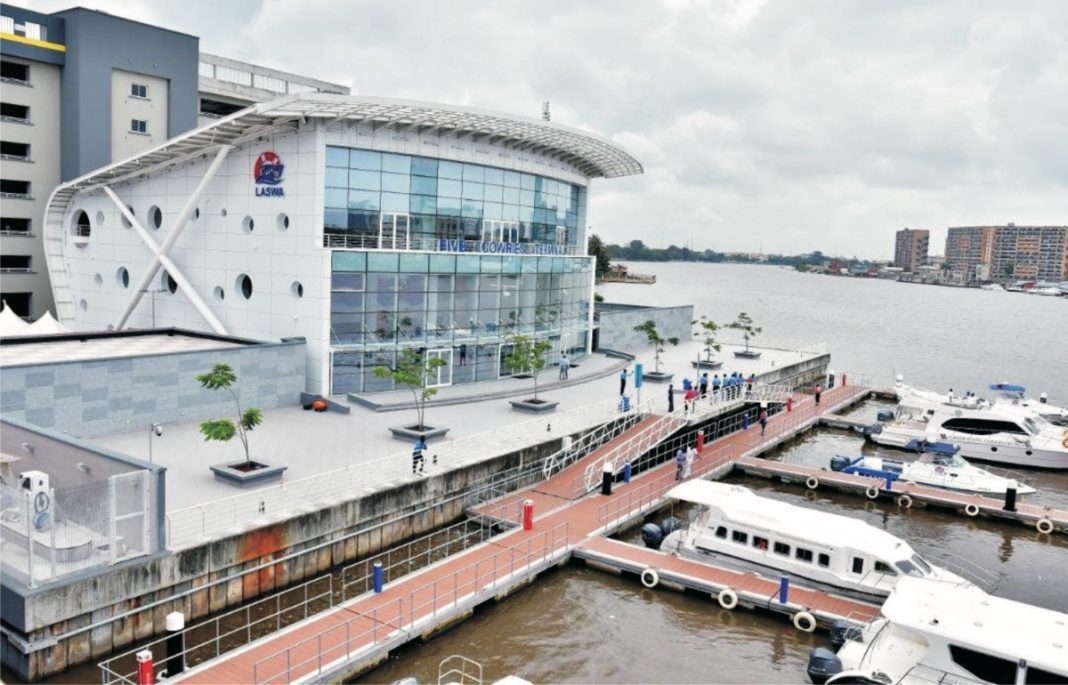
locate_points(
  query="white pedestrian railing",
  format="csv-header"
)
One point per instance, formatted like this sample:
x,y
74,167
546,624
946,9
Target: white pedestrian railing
x,y
212,520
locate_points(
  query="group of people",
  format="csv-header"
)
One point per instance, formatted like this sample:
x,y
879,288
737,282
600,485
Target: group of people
x,y
719,386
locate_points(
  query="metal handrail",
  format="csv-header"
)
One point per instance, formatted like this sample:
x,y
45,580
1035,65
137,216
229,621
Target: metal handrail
x,y
460,671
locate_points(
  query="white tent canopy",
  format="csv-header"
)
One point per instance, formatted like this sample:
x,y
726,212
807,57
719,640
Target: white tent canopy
x,y
11,324
46,325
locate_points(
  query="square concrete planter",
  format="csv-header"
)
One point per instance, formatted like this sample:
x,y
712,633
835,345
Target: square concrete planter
x,y
657,376
410,433
260,474
707,364
747,354
533,406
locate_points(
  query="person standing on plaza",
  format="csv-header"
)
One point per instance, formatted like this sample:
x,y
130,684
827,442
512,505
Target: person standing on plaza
x,y
716,383
417,455
691,399
819,391
691,454
671,398
763,421
704,385
565,364
623,381
680,463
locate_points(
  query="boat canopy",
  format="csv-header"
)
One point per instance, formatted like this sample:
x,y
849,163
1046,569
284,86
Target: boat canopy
x,y
1008,387
921,445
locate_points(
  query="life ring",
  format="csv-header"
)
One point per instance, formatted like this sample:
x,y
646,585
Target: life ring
x,y
728,598
1065,441
1044,526
805,622
971,509
872,492
904,501
812,482
650,578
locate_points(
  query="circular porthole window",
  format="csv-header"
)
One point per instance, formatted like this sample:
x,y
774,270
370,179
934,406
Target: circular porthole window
x,y
196,213
168,283
219,293
83,305
100,218
248,224
155,217
283,222
98,280
80,226
222,212
122,277
243,285
297,289
126,222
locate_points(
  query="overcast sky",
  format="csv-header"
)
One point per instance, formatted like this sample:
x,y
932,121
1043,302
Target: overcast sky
x,y
786,124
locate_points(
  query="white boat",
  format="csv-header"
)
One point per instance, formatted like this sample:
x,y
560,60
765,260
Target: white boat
x,y
933,633
992,286
996,431
938,465
1048,292
733,527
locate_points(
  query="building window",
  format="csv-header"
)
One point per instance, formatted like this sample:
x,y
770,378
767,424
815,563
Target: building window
x,y
138,126
16,264
16,151
139,90
19,303
10,226
15,113
15,71
19,189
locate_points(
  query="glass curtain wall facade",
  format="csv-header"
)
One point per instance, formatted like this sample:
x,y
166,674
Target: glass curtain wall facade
x,y
371,193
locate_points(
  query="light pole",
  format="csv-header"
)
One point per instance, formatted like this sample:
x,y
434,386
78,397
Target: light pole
x,y
153,294
155,430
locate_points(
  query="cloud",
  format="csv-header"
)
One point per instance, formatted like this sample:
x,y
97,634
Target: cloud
x,y
792,125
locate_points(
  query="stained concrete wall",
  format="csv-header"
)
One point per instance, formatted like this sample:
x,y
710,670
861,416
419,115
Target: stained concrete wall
x,y
616,325
104,396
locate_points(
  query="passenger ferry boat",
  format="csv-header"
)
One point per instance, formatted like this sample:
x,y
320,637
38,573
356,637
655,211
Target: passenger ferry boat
x,y
734,527
1000,431
938,465
934,633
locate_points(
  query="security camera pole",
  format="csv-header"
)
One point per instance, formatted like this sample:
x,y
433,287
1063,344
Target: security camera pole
x,y
155,429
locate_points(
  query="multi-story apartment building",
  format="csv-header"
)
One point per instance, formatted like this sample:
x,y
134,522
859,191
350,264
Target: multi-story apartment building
x,y
910,248
1037,253
55,125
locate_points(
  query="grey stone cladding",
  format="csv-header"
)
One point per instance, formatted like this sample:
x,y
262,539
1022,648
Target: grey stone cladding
x,y
617,324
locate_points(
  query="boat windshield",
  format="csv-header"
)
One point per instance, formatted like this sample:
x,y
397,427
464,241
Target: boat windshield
x,y
950,460
915,566
1031,426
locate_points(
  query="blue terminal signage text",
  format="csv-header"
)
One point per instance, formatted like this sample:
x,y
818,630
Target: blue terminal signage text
x,y
496,247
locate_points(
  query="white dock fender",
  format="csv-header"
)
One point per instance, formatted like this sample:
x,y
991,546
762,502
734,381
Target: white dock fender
x,y
904,501
805,622
971,509
812,482
650,578
1044,526
872,492
728,598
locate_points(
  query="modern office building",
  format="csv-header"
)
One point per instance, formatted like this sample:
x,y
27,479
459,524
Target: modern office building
x,y
82,89
1037,253
910,248
365,225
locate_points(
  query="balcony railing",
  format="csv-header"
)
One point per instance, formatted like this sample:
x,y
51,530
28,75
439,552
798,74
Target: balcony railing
x,y
362,241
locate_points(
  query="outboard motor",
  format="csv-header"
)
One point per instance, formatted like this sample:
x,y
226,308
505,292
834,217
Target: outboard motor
x,y
873,429
885,415
652,536
822,664
839,462
670,525
843,631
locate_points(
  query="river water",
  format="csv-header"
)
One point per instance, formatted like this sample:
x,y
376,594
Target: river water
x,y
578,625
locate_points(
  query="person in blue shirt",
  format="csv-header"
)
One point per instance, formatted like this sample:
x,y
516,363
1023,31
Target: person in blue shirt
x,y
716,384
623,381
417,455
704,385
680,463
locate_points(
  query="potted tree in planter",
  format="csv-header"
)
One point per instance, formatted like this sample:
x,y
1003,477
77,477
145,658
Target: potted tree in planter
x,y
249,472
528,358
657,341
706,330
744,323
414,371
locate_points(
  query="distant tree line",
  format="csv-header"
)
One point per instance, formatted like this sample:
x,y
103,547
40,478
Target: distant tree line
x,y
638,251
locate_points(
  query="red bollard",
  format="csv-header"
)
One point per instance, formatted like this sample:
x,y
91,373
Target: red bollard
x,y
528,514
789,404
700,441
843,380
146,674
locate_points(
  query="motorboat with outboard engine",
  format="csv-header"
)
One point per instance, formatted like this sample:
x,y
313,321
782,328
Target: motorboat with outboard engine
x,y
1001,431
733,527
929,632
938,465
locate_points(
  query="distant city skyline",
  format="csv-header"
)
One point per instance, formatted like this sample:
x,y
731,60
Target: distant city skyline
x,y
827,127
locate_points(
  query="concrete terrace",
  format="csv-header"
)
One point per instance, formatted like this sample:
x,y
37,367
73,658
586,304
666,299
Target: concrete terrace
x,y
311,444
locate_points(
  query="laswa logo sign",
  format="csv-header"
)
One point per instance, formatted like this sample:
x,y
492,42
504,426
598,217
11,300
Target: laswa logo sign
x,y
268,174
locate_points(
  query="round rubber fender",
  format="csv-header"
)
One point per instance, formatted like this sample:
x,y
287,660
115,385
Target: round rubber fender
x,y
728,598
872,492
1044,526
650,578
971,509
812,482
904,501
805,622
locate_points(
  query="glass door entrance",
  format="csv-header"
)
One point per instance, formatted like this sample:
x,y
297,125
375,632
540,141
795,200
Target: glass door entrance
x,y
393,231
500,231
504,351
443,374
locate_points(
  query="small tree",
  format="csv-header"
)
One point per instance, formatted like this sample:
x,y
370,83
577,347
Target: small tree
x,y
707,329
528,356
655,339
414,371
744,323
222,377
597,249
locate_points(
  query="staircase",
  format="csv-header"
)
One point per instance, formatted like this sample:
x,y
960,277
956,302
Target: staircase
x,y
55,238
